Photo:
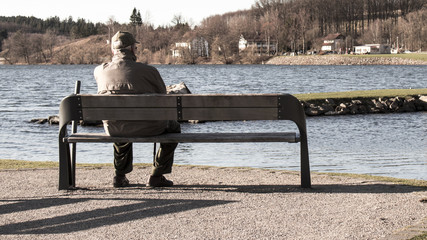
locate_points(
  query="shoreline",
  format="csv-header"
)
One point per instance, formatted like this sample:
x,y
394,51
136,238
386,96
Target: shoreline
x,y
344,60
415,59
27,165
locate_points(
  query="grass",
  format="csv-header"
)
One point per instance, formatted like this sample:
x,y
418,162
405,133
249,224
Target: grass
x,y
362,94
409,182
420,237
22,164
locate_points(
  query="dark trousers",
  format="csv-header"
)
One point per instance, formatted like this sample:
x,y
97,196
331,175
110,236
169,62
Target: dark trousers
x,y
162,164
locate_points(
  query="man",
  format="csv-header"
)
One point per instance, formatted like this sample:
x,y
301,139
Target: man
x,y
123,75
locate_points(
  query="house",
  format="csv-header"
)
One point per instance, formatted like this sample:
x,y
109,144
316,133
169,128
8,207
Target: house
x,y
179,46
198,46
258,45
333,43
372,49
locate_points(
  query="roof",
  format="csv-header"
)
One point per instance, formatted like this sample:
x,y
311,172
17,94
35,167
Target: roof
x,y
333,36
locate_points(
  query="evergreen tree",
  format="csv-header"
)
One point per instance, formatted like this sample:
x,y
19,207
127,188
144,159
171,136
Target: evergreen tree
x,y
135,18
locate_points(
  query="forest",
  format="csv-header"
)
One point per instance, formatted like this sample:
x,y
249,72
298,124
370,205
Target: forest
x,y
294,26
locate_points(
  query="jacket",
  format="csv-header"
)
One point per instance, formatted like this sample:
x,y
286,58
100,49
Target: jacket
x,y
123,75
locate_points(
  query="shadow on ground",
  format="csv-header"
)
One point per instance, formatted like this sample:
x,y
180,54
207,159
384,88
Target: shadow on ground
x,y
139,209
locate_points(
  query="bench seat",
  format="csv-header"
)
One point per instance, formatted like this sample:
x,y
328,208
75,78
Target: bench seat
x,y
290,137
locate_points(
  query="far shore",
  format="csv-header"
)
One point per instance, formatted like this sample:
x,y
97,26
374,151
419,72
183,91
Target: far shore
x,y
378,59
305,60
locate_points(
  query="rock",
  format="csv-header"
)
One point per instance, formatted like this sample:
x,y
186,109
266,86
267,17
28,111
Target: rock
x,y
342,109
330,101
357,102
91,123
421,103
179,88
53,120
408,105
380,106
39,120
331,113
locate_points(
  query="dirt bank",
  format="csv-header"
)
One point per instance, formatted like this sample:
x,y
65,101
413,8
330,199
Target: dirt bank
x,y
343,60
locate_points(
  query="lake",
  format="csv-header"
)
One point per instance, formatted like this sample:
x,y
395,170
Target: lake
x,y
378,144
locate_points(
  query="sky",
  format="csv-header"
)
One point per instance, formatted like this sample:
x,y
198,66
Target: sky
x,y
157,12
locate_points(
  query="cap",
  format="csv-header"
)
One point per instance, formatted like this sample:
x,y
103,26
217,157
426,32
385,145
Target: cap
x,y
122,40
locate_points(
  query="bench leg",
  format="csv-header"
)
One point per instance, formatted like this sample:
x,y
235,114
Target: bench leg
x,y
305,164
65,173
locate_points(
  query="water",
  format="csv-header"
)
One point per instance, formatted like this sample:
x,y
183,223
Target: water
x,y
379,144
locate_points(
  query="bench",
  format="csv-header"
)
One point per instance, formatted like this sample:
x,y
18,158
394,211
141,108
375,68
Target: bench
x,y
180,107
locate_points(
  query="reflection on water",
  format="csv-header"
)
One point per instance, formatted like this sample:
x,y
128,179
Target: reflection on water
x,y
380,144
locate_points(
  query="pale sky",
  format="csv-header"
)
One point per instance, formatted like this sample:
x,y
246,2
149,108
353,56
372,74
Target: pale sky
x,y
159,12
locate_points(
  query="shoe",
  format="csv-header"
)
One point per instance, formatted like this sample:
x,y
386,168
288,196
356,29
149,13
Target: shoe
x,y
159,181
120,181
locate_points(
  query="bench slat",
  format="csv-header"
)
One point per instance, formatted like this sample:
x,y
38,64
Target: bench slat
x,y
291,137
135,101
230,101
210,114
229,113
129,114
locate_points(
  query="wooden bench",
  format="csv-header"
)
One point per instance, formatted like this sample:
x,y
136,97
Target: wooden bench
x,y
179,107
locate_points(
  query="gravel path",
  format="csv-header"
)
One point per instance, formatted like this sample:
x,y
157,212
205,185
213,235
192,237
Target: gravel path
x,y
208,203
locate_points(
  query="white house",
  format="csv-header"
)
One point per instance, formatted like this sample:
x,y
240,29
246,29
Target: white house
x,y
177,50
198,46
259,45
333,43
372,48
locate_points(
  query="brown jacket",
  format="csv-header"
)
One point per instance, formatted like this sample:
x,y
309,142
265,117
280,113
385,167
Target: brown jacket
x,y
123,75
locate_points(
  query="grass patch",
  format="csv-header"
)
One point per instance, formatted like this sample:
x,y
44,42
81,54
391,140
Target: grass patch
x,y
362,94
409,182
420,237
22,164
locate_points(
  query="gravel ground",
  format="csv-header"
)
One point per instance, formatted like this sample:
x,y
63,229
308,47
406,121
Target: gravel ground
x,y
208,203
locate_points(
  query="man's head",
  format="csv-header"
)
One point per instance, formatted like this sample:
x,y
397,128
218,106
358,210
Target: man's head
x,y
122,40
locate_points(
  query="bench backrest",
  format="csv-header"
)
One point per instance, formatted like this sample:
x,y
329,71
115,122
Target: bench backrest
x,y
181,107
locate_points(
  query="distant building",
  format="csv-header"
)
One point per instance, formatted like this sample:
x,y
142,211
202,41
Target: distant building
x,y
334,43
198,46
372,49
258,45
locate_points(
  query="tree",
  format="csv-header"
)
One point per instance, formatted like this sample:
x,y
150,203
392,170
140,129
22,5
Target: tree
x,y
135,18
3,35
111,23
19,47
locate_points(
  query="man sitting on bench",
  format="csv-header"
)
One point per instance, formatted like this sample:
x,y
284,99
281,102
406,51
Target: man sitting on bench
x,y
123,75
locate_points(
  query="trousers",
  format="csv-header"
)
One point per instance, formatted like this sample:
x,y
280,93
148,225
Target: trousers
x,y
163,160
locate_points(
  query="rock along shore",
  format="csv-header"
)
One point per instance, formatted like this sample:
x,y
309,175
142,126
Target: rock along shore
x,y
331,107
342,60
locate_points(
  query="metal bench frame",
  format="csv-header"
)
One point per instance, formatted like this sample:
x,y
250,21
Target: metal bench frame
x,y
180,107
